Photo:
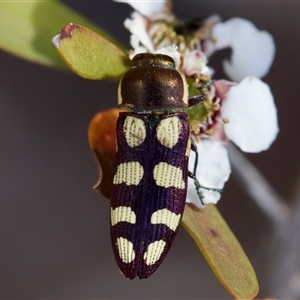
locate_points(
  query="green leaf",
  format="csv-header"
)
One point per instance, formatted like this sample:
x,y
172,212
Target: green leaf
x,y
90,55
221,250
26,29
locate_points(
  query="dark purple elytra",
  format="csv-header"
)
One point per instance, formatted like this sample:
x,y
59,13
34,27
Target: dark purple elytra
x,y
151,164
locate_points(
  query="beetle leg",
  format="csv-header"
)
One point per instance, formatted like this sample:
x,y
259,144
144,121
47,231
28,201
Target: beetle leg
x,y
192,175
198,99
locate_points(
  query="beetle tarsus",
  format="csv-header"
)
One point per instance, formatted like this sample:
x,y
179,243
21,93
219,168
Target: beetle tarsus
x,y
195,100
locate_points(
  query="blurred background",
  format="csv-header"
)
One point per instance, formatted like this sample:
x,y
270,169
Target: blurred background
x,y
55,240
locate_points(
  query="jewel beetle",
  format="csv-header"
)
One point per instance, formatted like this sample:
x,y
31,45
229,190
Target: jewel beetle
x,y
151,163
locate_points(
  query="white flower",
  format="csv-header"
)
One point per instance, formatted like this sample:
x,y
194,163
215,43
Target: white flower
x,y
253,50
243,113
251,123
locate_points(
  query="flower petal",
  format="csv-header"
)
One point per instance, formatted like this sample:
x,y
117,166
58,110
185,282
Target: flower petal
x,y
146,8
253,50
137,26
250,109
194,62
212,172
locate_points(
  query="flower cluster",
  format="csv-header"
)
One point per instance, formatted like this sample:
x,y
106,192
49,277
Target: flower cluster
x,y
242,112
